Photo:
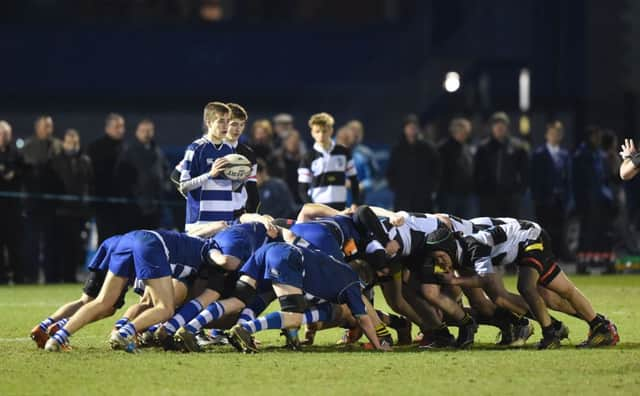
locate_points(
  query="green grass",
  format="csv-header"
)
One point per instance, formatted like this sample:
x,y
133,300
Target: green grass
x,y
92,368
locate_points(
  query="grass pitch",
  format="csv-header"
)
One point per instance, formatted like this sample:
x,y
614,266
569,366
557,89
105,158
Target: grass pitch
x,y
92,368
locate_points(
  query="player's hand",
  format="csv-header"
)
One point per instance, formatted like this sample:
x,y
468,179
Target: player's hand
x,y
218,166
628,149
385,347
392,248
397,220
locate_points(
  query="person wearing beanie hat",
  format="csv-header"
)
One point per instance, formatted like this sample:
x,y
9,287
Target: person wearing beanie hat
x,y
501,170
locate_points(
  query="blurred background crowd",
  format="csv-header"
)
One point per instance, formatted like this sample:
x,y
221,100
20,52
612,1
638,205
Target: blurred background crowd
x,y
492,108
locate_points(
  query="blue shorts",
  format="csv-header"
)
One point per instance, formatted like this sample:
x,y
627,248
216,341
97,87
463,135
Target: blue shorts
x,y
140,254
234,242
100,261
320,236
283,265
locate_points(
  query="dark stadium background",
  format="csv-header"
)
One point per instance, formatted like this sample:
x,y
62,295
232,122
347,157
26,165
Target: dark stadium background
x,y
373,60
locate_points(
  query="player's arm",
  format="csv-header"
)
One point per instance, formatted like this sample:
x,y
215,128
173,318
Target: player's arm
x,y
253,197
190,177
207,230
305,178
396,218
472,281
312,211
631,160
265,220
355,190
366,324
352,175
360,308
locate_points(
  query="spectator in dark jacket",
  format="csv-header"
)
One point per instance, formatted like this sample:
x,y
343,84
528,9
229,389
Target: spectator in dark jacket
x,y
38,152
289,155
142,172
74,177
414,170
595,202
551,186
456,189
11,231
104,154
275,198
501,171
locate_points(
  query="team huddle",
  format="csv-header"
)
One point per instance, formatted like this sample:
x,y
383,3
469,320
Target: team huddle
x,y
212,284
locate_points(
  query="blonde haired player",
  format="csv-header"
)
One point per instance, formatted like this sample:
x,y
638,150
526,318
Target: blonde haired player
x,y
326,170
209,194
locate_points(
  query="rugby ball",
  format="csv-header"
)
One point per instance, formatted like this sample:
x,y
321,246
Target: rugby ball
x,y
239,167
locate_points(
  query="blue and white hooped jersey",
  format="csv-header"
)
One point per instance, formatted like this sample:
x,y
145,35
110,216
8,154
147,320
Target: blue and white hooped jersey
x,y
212,201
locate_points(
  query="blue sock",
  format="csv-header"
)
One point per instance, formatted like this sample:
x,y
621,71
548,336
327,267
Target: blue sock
x,y
246,315
272,320
187,312
209,314
44,325
121,322
216,332
127,330
319,313
153,328
61,336
62,322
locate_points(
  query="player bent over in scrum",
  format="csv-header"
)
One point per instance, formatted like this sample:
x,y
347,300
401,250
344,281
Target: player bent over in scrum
x,y
295,272
226,253
527,245
98,268
145,255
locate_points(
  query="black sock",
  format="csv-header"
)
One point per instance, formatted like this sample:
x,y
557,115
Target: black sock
x,y
397,322
466,320
442,331
599,319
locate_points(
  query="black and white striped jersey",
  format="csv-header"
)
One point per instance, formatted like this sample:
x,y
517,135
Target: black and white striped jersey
x,y
499,244
411,236
326,172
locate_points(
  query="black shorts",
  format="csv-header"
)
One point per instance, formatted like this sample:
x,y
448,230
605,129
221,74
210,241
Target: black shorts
x,y
94,283
423,267
539,256
221,281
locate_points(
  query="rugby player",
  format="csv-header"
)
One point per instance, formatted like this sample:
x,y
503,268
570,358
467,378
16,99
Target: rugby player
x,y
527,245
146,255
225,252
325,170
245,193
295,272
199,175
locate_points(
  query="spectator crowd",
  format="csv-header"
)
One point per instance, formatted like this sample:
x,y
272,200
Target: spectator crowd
x,y
50,189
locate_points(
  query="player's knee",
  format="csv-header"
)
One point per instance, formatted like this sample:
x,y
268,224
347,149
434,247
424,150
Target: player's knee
x,y
431,293
166,311
501,301
294,303
244,292
567,293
